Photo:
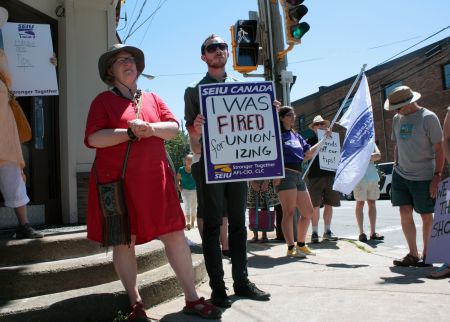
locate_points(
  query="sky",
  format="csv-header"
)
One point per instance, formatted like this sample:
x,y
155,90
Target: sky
x,y
344,35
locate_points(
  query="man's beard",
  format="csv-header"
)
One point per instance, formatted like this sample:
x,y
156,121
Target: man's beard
x,y
216,64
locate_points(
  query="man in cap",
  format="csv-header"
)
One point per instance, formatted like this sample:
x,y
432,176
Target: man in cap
x,y
418,164
217,196
320,187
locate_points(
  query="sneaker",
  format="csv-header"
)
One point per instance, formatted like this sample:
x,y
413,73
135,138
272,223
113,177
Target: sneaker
x,y
376,236
249,290
304,249
294,253
363,238
220,298
421,263
26,231
408,260
328,235
314,238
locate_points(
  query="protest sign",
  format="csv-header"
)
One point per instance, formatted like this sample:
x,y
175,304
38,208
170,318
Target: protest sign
x,y
330,153
28,47
438,250
241,137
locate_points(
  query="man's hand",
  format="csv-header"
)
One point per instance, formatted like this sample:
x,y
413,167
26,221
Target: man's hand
x,y
434,185
198,123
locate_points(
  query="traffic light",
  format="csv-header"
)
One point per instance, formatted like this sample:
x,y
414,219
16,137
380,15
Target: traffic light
x,y
294,11
245,48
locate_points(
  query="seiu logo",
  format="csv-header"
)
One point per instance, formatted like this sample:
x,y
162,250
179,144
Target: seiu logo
x,y
26,31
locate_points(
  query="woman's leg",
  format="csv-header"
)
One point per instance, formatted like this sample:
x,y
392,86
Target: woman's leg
x,y
180,259
124,259
288,204
306,210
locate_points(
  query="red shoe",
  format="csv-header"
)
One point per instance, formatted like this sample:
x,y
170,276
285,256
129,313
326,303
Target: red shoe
x,y
203,309
138,313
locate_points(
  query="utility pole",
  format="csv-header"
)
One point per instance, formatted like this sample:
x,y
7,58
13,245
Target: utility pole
x,y
273,43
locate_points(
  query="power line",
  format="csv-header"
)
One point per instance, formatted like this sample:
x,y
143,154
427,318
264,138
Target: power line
x,y
150,16
131,31
148,27
134,8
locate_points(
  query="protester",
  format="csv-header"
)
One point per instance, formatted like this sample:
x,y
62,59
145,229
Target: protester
x,y
12,177
292,190
186,186
367,190
444,270
214,52
152,201
418,164
267,198
320,186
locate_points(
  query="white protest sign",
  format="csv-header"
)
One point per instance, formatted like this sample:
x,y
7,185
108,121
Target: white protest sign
x,y
330,153
438,245
28,47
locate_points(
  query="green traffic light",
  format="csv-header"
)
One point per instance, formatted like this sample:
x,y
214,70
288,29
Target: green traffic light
x,y
299,30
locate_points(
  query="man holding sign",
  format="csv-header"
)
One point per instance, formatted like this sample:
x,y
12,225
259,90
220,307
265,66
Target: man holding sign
x,y
320,186
214,52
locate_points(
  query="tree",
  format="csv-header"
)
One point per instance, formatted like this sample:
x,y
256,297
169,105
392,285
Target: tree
x,y
177,149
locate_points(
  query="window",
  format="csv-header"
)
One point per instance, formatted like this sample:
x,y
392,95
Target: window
x,y
301,122
447,76
388,89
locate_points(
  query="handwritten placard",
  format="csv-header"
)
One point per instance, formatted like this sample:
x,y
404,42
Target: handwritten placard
x,y
438,245
330,153
241,137
28,47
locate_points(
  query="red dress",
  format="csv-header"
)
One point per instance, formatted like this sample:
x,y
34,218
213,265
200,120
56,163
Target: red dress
x,y
152,200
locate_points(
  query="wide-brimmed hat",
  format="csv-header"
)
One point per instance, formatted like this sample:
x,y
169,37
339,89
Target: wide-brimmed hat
x,y
400,96
114,50
319,119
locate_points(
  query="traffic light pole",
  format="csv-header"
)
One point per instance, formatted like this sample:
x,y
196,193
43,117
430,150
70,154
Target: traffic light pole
x,y
269,13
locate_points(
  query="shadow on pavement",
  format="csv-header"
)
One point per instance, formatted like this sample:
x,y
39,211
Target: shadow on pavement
x,y
323,245
408,275
341,265
263,261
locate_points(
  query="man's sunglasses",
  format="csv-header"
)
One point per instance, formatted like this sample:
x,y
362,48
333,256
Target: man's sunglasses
x,y
212,48
319,123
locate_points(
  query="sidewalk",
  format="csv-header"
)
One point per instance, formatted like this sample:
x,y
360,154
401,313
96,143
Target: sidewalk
x,y
345,281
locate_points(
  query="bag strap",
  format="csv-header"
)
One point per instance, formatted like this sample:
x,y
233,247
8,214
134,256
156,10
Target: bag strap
x,y
138,99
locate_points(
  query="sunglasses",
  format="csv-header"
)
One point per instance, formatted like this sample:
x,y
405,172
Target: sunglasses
x,y
125,60
212,48
319,124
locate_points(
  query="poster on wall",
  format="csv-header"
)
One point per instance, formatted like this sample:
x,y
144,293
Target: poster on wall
x,y
28,48
241,137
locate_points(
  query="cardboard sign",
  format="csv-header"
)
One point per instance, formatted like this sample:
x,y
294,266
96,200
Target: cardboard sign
x,y
241,137
28,47
438,250
330,153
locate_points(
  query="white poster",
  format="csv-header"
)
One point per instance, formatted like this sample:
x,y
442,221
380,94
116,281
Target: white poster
x,y
330,153
29,47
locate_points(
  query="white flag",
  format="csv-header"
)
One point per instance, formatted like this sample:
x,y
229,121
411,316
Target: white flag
x,y
359,140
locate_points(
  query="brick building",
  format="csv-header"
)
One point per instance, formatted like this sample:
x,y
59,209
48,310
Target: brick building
x,y
426,70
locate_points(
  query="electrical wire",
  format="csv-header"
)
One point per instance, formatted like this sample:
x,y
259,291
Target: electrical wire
x,y
131,31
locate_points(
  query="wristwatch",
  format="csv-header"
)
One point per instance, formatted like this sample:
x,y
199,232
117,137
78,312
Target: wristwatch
x,y
131,135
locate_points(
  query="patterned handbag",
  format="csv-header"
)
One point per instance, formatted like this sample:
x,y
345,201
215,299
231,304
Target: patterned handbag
x,y
261,219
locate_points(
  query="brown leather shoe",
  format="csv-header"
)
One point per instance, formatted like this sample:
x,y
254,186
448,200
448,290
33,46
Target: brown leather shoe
x,y
408,260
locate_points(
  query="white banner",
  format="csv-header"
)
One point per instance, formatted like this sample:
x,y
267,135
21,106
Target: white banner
x,y
28,47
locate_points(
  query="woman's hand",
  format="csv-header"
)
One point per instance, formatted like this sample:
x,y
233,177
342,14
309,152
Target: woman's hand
x,y
141,129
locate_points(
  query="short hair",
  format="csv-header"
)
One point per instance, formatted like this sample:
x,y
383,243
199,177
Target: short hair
x,y
212,36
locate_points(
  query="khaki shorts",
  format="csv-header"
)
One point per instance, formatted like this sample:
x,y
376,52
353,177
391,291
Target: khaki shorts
x,y
366,190
321,192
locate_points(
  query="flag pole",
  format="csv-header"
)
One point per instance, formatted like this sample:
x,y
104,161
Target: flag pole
x,y
322,141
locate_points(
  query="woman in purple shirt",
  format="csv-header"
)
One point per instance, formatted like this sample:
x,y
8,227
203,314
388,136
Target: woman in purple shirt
x,y
292,190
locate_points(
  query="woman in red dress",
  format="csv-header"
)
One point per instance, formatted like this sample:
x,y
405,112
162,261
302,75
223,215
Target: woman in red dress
x,y
152,201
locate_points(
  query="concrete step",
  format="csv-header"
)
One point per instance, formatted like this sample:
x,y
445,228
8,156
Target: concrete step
x,y
28,280
50,248
98,303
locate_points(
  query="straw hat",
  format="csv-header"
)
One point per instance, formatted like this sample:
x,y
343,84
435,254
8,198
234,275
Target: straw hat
x,y
400,96
114,50
319,119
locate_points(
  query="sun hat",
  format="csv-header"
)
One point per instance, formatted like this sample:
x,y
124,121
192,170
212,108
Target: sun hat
x,y
112,51
400,96
319,119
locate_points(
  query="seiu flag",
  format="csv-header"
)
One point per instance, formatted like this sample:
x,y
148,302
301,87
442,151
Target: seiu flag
x,y
359,140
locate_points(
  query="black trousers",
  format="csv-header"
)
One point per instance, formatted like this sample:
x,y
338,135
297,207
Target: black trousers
x,y
216,197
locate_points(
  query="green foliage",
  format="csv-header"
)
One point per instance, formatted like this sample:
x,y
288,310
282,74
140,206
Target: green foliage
x,y
178,148
120,317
